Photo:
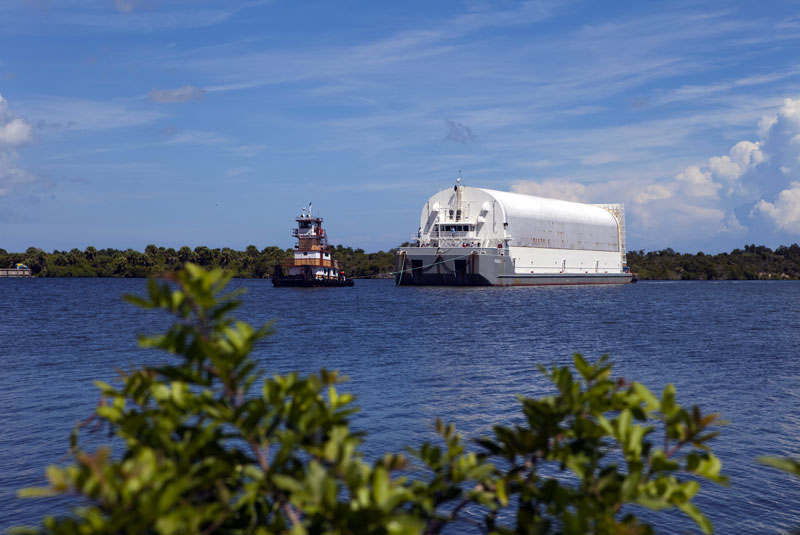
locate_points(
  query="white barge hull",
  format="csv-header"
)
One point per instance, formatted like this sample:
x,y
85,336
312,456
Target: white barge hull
x,y
432,266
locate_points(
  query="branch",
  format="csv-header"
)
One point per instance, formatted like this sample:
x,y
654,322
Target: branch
x,y
263,462
291,513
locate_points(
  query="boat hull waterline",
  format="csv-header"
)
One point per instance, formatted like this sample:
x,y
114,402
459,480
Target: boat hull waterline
x,y
430,266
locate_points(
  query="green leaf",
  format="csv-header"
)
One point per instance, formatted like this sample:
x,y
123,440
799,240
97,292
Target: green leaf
x,y
650,400
694,513
787,464
668,407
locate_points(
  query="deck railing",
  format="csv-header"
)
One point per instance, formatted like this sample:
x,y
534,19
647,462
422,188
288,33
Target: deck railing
x,y
14,272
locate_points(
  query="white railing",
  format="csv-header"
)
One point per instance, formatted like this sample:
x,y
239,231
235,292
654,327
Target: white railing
x,y
450,234
307,234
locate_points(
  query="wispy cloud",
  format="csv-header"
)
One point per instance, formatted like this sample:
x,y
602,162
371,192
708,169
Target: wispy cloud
x,y
120,15
197,137
181,94
576,72
694,92
84,114
249,151
246,69
237,171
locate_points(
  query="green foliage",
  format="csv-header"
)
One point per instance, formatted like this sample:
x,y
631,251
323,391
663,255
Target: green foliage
x,y
250,263
787,464
357,263
755,262
601,430
211,445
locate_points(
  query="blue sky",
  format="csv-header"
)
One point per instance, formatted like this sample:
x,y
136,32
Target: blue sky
x,y
199,122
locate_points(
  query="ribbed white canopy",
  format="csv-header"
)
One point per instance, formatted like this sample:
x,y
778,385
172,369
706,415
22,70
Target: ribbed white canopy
x,y
541,222
523,220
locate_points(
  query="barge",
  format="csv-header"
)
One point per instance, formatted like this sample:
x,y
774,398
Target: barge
x,y
482,237
312,265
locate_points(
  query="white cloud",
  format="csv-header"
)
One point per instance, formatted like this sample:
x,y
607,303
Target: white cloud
x,y
11,175
705,181
765,125
760,181
181,94
654,192
747,154
14,132
697,183
785,211
730,225
700,214
790,111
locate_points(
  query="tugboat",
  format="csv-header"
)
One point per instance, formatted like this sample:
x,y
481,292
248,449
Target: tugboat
x,y
312,265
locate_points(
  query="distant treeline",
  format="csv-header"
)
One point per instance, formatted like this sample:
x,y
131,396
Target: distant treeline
x,y
755,262
250,263
752,263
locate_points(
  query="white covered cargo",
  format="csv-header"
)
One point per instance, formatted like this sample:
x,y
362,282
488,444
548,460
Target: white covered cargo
x,y
482,236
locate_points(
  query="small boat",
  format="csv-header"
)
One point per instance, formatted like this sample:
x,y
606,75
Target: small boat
x,y
312,265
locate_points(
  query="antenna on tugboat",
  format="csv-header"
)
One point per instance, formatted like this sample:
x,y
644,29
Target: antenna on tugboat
x,y
309,209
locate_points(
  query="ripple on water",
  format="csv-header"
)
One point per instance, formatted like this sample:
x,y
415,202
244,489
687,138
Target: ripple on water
x,y
415,354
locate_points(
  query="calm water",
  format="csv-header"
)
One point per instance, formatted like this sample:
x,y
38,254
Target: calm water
x,y
414,354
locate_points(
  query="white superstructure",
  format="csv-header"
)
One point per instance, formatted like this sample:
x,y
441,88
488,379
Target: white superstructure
x,y
483,236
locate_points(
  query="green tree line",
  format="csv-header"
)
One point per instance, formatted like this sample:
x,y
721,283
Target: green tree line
x,y
754,262
154,260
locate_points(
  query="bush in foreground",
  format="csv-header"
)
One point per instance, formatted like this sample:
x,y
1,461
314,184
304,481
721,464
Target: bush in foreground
x,y
211,445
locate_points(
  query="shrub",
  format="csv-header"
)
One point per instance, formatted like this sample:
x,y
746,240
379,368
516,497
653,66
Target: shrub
x,y
211,445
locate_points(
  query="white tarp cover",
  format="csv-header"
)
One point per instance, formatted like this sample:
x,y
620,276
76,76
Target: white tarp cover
x,y
540,222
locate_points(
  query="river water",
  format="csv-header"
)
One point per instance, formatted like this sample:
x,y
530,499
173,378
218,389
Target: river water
x,y
414,354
